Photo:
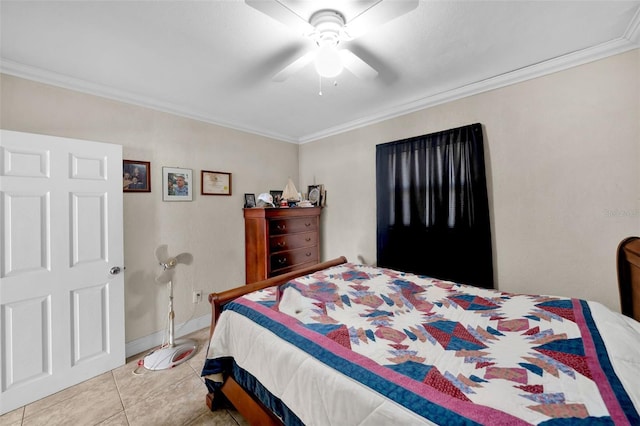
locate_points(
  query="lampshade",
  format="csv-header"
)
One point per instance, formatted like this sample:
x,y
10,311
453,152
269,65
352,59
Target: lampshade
x,y
328,61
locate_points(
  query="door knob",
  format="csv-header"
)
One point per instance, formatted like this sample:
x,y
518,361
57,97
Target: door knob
x,y
115,270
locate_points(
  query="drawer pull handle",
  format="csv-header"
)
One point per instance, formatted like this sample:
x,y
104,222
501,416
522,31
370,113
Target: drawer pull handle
x,y
307,224
308,254
281,227
281,244
308,239
282,260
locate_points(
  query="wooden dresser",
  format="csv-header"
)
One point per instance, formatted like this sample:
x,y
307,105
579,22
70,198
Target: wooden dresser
x,y
279,240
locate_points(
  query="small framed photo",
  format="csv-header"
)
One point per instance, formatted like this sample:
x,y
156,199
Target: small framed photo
x,y
215,183
277,197
177,184
249,200
136,176
315,194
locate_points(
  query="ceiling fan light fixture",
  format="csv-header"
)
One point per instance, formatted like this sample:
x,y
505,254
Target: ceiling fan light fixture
x,y
328,28
328,61
328,25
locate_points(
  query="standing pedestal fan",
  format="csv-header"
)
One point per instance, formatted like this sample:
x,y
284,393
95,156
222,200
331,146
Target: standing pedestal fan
x,y
174,352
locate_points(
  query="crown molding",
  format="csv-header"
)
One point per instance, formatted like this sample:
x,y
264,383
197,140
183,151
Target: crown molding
x,y
633,30
47,77
629,42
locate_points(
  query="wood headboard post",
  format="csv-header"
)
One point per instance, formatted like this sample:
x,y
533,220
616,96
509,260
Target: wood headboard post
x,y
628,260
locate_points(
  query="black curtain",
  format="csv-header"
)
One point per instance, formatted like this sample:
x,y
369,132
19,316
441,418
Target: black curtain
x,y
432,206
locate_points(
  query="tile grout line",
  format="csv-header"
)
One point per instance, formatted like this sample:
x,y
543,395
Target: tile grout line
x,y
113,376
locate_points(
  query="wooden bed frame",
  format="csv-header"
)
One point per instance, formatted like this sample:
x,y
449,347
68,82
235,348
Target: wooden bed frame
x,y
247,405
629,276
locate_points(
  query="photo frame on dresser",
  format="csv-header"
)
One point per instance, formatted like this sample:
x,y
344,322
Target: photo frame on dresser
x,y
314,194
177,184
277,197
249,200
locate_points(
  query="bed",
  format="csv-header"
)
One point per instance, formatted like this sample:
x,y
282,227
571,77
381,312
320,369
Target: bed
x,y
347,344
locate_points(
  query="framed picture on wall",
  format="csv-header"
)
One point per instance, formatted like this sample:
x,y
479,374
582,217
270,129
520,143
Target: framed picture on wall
x,y
215,183
136,176
177,184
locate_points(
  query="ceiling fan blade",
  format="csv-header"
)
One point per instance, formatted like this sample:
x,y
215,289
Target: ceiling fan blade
x,y
376,15
357,66
282,14
162,253
294,67
165,276
185,258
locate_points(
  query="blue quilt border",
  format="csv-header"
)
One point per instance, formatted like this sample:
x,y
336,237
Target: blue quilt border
x,y
401,395
616,385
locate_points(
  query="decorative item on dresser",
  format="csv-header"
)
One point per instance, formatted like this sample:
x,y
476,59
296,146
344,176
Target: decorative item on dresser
x,y
249,200
280,240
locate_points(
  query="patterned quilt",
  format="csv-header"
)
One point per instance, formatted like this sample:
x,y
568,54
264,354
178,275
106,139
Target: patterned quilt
x,y
450,353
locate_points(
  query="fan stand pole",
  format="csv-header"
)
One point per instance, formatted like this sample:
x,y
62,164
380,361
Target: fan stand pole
x,y
172,354
171,315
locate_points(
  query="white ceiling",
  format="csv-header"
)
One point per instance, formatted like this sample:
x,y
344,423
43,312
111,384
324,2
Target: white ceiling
x,y
213,60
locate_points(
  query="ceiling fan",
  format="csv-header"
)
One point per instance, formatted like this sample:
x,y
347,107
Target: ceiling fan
x,y
328,27
173,352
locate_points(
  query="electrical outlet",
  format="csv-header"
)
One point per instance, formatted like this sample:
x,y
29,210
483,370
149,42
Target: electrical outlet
x,y
197,296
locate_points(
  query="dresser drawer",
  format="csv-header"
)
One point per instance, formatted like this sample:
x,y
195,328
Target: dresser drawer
x,y
286,259
293,241
288,226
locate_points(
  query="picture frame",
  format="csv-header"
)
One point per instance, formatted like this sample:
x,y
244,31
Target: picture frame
x,y
277,197
177,184
314,194
136,176
215,183
249,200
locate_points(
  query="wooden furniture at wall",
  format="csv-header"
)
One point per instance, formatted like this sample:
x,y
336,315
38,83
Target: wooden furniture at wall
x,y
280,240
628,259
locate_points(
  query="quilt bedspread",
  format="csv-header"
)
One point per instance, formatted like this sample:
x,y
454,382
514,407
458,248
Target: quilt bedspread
x,y
448,352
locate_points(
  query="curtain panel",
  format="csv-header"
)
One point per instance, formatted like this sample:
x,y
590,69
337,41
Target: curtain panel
x,y
432,206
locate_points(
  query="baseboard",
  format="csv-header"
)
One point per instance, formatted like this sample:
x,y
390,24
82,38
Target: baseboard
x,y
149,342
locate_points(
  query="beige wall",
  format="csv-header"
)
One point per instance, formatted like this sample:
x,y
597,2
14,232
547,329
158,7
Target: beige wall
x,y
563,155
209,227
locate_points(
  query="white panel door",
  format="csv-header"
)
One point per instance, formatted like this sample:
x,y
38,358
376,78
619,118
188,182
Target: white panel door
x,y
61,285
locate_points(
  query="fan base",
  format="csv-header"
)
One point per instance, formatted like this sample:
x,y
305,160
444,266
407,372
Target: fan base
x,y
170,356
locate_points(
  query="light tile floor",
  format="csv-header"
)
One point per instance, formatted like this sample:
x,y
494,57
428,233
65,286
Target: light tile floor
x,y
121,397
